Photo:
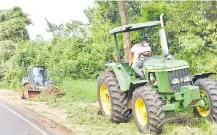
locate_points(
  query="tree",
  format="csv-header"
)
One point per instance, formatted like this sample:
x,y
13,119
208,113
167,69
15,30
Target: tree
x,y
126,35
73,28
13,24
56,30
39,38
79,50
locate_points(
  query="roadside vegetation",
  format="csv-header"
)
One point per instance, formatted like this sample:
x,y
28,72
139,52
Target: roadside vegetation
x,y
84,123
79,51
76,55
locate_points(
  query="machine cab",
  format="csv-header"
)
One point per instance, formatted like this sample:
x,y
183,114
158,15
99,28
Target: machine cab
x,y
38,75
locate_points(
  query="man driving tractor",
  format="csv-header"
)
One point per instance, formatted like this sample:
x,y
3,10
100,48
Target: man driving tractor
x,y
141,53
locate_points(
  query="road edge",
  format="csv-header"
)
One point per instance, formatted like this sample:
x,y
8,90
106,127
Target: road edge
x,y
40,117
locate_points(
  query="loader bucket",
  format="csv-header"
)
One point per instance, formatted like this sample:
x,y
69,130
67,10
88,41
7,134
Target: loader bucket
x,y
33,94
29,92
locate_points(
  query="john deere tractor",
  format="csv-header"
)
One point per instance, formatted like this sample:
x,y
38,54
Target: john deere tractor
x,y
35,82
168,86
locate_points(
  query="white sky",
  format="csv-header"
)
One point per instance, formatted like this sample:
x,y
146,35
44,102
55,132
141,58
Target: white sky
x,y
56,11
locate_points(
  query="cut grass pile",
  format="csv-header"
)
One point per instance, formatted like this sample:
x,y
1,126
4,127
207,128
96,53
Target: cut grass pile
x,y
81,92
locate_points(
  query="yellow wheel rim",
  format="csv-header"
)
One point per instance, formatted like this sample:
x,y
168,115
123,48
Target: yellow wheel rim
x,y
140,111
204,111
105,99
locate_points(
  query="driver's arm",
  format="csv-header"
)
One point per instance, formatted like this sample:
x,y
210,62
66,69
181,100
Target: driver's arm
x,y
148,52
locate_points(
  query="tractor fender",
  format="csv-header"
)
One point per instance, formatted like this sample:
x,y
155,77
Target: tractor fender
x,y
202,75
136,83
122,76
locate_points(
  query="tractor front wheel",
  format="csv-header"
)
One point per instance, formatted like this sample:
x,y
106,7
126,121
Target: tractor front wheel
x,y
208,93
147,110
112,102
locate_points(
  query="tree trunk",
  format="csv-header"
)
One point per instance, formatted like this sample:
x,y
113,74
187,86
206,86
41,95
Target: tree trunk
x,y
126,35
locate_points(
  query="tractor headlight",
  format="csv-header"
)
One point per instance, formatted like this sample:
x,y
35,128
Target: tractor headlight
x,y
175,81
178,80
187,79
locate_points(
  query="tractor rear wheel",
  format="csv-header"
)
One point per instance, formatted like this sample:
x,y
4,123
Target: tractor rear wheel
x,y
147,110
208,92
113,103
24,91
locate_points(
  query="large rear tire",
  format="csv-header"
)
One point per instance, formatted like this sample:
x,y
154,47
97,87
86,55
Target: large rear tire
x,y
113,103
147,110
208,92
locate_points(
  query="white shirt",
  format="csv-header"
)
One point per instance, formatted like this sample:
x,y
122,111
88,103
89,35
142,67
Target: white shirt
x,y
137,48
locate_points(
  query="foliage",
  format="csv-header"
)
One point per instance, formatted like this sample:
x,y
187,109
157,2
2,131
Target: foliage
x,y
79,51
80,90
12,24
82,121
6,49
196,34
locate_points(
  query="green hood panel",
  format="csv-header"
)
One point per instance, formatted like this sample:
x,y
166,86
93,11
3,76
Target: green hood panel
x,y
165,65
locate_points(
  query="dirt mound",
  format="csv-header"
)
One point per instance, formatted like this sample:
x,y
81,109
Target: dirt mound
x,y
52,90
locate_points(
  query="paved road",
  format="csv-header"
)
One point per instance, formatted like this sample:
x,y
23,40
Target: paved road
x,y
13,122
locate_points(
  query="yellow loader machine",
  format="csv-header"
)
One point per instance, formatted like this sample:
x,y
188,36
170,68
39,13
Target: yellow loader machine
x,y
35,82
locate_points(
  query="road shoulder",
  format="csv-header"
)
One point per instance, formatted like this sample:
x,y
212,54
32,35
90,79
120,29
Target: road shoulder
x,y
51,118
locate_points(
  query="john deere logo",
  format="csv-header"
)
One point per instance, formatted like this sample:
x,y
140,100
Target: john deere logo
x,y
181,79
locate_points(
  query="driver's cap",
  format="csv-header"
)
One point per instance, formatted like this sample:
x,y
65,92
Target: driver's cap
x,y
145,39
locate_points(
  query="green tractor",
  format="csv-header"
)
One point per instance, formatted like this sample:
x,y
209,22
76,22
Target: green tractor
x,y
168,86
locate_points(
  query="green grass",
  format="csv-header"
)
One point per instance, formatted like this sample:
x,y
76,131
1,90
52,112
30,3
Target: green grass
x,y
81,92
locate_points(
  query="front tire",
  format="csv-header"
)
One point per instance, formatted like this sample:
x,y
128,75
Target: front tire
x,y
208,92
147,110
113,103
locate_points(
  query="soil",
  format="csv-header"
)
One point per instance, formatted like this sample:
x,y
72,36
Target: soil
x,y
51,118
69,116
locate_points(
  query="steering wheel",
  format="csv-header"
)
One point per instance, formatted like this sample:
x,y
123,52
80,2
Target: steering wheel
x,y
144,54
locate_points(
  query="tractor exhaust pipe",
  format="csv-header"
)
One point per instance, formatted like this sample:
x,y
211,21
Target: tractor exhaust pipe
x,y
163,38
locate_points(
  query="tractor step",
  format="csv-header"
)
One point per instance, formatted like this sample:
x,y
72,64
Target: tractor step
x,y
93,108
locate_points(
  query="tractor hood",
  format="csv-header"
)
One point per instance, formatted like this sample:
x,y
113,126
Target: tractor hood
x,y
165,65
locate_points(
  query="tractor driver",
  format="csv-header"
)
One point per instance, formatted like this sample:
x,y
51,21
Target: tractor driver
x,y
142,52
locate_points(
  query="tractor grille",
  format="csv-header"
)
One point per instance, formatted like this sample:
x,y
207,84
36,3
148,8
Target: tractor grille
x,y
178,74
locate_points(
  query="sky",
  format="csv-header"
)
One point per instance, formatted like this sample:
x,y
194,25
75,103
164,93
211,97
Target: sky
x,y
55,11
